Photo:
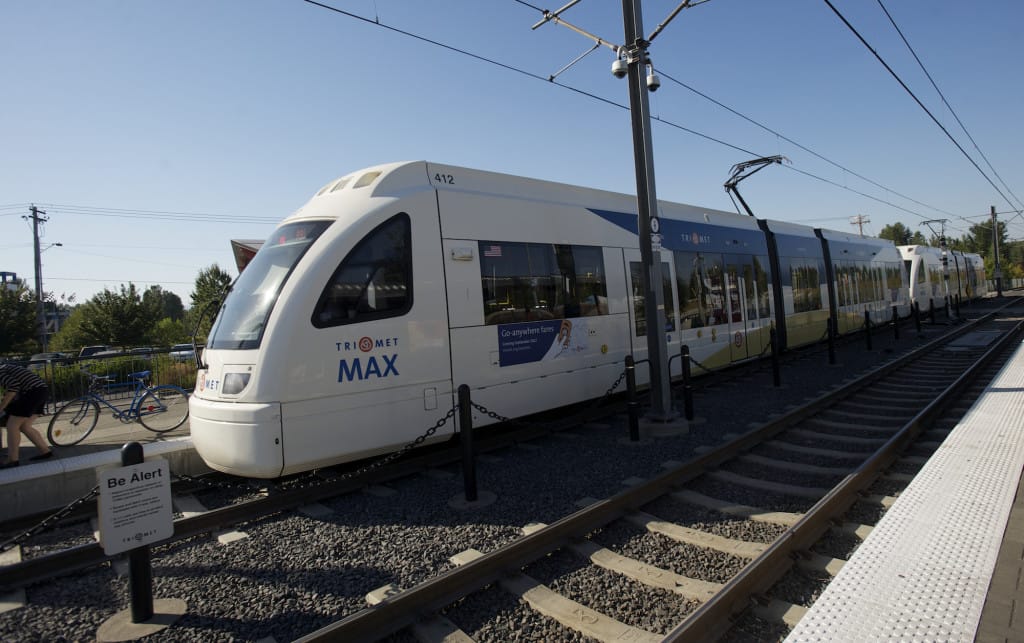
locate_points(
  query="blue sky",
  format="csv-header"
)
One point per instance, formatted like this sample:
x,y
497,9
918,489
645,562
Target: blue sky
x,y
115,111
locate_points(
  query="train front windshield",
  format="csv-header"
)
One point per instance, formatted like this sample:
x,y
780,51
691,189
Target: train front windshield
x,y
244,316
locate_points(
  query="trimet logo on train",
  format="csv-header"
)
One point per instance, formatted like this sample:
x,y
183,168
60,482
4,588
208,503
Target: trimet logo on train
x,y
363,367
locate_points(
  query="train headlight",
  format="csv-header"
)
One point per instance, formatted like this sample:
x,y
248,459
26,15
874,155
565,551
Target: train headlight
x,y
234,383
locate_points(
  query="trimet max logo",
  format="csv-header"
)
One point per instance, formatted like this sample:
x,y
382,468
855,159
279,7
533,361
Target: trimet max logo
x,y
363,367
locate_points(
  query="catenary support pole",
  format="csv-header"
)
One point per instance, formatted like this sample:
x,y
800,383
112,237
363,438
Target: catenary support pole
x,y
997,271
647,211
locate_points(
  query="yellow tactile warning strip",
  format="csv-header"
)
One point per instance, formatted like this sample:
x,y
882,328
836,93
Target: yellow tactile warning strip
x,y
924,572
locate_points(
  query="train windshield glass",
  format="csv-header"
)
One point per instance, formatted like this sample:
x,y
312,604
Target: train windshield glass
x,y
242,320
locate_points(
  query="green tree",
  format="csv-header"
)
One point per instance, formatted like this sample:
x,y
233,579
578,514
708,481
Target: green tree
x,y
169,303
979,238
897,233
71,337
211,285
17,321
902,236
168,332
119,318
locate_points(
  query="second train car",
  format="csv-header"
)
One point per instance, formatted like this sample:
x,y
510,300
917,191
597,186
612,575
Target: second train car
x,y
351,329
931,282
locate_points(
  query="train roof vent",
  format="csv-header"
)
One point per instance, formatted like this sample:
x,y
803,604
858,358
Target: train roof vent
x,y
336,184
366,179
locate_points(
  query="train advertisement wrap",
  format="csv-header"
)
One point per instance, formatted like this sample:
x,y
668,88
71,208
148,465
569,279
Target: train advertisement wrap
x,y
540,341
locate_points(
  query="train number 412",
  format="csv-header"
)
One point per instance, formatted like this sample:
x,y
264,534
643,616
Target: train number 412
x,y
445,178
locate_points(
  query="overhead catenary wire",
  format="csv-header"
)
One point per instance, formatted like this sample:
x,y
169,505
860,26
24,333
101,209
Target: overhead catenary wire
x,y
916,99
377,23
946,102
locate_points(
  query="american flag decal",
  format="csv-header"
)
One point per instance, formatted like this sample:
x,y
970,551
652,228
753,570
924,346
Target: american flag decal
x,y
492,251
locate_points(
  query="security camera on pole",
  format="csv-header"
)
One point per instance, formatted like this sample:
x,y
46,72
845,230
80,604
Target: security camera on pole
x,y
630,60
635,53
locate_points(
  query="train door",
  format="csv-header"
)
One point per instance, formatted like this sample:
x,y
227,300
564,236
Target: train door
x,y
747,288
638,308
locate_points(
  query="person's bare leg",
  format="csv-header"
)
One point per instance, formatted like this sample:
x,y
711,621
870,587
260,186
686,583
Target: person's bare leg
x,y
13,437
35,436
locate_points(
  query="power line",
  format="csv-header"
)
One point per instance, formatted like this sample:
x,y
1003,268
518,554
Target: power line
x,y
792,142
549,80
165,215
916,100
943,97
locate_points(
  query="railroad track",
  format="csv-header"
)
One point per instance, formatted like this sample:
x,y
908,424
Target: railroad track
x,y
81,557
860,430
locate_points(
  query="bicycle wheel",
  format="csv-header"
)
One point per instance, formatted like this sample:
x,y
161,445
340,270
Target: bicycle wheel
x,y
163,408
73,422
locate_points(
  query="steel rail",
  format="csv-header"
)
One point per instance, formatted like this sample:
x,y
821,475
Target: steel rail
x,y
712,618
61,563
409,606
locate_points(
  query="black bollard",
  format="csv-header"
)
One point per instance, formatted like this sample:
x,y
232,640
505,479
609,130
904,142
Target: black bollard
x,y
140,570
776,373
945,306
895,323
931,310
633,406
684,352
917,316
956,303
466,437
867,328
831,325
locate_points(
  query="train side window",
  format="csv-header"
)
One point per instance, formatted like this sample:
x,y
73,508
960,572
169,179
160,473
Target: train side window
x,y
693,288
639,299
806,284
534,281
374,281
761,274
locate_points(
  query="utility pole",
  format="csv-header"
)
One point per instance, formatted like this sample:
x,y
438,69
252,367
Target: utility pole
x,y
859,221
38,216
647,214
997,272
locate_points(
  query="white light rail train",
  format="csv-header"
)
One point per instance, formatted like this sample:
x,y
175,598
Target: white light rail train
x,y
351,329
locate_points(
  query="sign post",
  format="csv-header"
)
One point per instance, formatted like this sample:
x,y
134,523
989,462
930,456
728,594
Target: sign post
x,y
134,512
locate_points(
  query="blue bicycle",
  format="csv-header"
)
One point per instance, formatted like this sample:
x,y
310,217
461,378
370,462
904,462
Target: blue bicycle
x,y
158,408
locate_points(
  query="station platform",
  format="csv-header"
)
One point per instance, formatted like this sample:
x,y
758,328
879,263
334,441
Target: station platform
x,y
35,487
946,562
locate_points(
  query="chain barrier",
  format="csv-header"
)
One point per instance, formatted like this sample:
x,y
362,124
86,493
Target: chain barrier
x,y
566,422
615,385
312,479
215,484
700,366
50,521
